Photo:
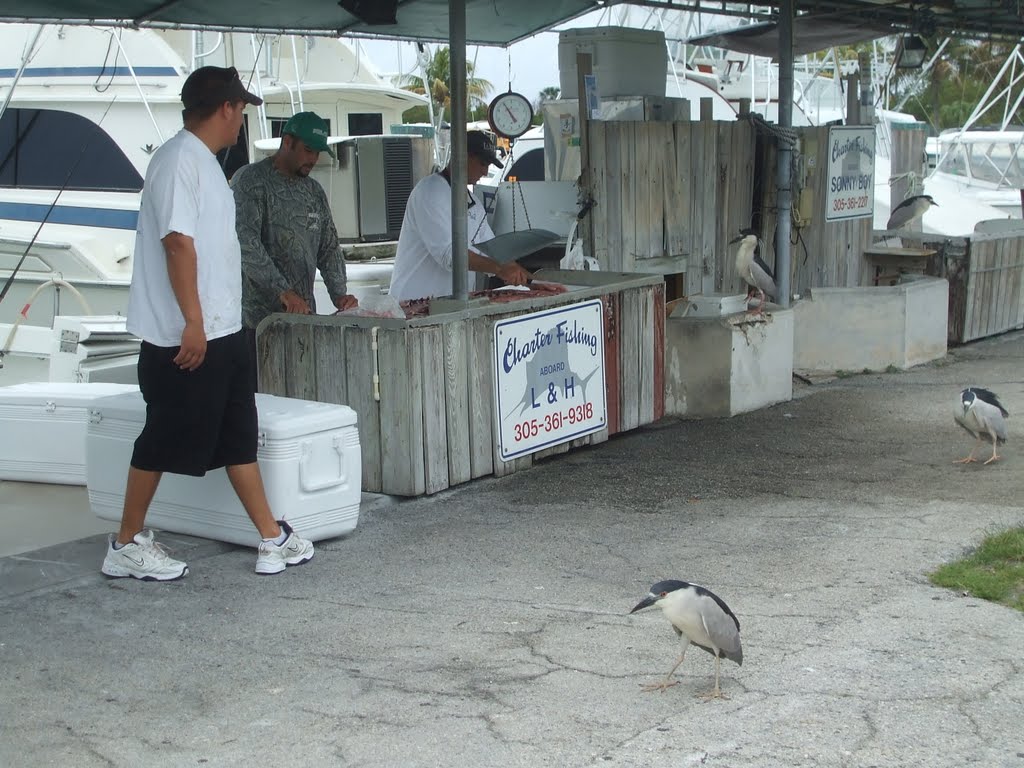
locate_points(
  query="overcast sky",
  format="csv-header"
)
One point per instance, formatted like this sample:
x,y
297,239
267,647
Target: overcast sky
x,y
534,60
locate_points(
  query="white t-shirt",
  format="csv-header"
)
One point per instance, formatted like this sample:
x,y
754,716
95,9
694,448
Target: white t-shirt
x,y
185,192
423,261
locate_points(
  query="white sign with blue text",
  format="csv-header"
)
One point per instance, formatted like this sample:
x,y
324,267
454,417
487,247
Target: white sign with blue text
x,y
549,377
851,172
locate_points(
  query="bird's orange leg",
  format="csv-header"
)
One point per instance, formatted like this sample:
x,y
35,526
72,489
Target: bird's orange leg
x,y
969,459
717,692
668,682
995,456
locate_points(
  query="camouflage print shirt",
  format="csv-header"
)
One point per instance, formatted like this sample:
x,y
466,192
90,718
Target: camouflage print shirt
x,y
286,232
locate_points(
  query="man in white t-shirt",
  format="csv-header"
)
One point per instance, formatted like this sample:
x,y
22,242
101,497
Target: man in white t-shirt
x,y
423,261
185,305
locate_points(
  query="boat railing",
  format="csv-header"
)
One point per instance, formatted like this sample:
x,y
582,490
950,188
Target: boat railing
x,y
138,86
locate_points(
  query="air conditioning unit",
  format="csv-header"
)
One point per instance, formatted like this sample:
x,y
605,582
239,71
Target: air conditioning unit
x,y
93,348
377,173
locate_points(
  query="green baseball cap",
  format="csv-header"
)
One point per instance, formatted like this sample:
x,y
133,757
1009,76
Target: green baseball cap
x,y
310,129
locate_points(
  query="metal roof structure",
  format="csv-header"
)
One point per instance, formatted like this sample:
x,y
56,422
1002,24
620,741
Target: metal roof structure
x,y
501,22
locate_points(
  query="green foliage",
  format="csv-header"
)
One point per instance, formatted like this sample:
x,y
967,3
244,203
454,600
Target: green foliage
x,y
956,83
439,81
994,571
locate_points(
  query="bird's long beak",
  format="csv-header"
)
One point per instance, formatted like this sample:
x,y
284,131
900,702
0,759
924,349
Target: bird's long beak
x,y
735,240
647,602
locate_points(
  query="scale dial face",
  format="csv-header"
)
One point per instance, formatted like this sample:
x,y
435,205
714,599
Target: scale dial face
x,y
510,115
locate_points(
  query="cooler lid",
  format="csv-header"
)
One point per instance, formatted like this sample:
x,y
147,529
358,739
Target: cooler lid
x,y
284,418
61,393
281,418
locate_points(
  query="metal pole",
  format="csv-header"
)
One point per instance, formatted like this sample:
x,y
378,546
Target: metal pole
x,y
21,69
785,163
460,236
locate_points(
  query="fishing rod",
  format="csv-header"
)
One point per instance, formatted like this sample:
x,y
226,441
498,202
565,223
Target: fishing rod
x,y
46,216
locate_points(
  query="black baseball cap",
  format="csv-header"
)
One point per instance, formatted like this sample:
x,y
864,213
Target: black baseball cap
x,y
212,86
479,144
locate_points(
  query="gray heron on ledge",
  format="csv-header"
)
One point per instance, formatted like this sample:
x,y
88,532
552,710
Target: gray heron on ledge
x,y
752,270
909,210
980,413
698,616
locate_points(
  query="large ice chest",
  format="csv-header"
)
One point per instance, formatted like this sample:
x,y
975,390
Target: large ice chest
x,y
308,455
43,427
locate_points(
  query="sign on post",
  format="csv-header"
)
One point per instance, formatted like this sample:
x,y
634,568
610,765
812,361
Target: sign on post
x,y
850,187
549,378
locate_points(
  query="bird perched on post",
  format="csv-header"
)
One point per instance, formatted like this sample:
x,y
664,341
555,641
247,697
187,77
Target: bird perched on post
x,y
698,616
752,270
980,413
909,210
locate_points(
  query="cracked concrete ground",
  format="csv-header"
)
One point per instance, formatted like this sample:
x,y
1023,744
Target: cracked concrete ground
x,y
489,626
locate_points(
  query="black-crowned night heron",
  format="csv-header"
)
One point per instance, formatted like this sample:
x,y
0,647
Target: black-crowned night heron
x,y
698,616
909,210
981,414
752,270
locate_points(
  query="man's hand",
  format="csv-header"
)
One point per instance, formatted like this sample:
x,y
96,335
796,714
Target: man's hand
x,y
193,347
513,274
348,301
293,303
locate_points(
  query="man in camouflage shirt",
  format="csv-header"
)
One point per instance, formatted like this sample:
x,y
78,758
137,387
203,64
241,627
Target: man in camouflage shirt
x,y
285,228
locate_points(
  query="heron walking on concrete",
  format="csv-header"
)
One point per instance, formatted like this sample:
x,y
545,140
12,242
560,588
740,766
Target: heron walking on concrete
x,y
698,616
980,413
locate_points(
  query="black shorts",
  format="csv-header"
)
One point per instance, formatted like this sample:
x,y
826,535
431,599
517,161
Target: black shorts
x,y
197,420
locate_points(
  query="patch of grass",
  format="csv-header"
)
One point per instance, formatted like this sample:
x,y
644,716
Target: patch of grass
x,y
867,370
841,374
891,369
994,571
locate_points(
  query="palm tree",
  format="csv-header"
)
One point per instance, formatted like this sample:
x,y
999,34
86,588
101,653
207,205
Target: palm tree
x,y
550,93
439,80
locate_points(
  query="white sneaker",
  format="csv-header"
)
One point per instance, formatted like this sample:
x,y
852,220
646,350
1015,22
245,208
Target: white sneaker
x,y
274,558
142,558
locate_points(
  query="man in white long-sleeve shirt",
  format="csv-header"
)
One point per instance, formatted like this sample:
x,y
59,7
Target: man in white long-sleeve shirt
x,y
423,262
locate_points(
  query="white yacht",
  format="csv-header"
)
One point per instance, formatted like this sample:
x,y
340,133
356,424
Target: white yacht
x,y
83,110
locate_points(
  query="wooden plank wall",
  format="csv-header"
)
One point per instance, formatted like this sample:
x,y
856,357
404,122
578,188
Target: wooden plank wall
x,y
995,275
434,424
823,254
668,191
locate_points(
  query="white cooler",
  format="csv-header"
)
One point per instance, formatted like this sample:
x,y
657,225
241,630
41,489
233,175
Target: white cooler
x,y
42,429
308,454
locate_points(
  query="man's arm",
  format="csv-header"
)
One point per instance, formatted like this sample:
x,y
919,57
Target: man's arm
x,y
182,272
331,261
511,273
258,267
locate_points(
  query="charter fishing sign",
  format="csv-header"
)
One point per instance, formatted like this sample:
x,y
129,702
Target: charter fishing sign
x,y
549,377
850,185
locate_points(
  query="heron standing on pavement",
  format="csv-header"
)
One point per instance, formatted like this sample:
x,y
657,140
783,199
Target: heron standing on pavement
x,y
980,413
698,616
752,270
909,210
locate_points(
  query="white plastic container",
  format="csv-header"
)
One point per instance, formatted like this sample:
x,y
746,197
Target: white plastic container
x,y
308,454
626,61
43,428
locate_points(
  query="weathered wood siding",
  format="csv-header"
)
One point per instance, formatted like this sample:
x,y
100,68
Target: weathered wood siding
x,y
434,424
672,196
822,254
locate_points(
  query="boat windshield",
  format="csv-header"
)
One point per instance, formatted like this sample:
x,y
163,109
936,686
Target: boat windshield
x,y
999,162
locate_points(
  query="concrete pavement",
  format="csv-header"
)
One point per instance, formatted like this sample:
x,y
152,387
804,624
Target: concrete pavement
x,y
489,626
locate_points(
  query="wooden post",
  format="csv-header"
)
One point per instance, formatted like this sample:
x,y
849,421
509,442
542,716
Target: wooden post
x,y
852,100
707,109
583,68
908,142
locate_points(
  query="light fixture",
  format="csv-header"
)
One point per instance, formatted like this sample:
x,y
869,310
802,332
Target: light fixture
x,y
912,52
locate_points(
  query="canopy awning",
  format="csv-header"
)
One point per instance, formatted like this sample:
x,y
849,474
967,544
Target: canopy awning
x,y
488,22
